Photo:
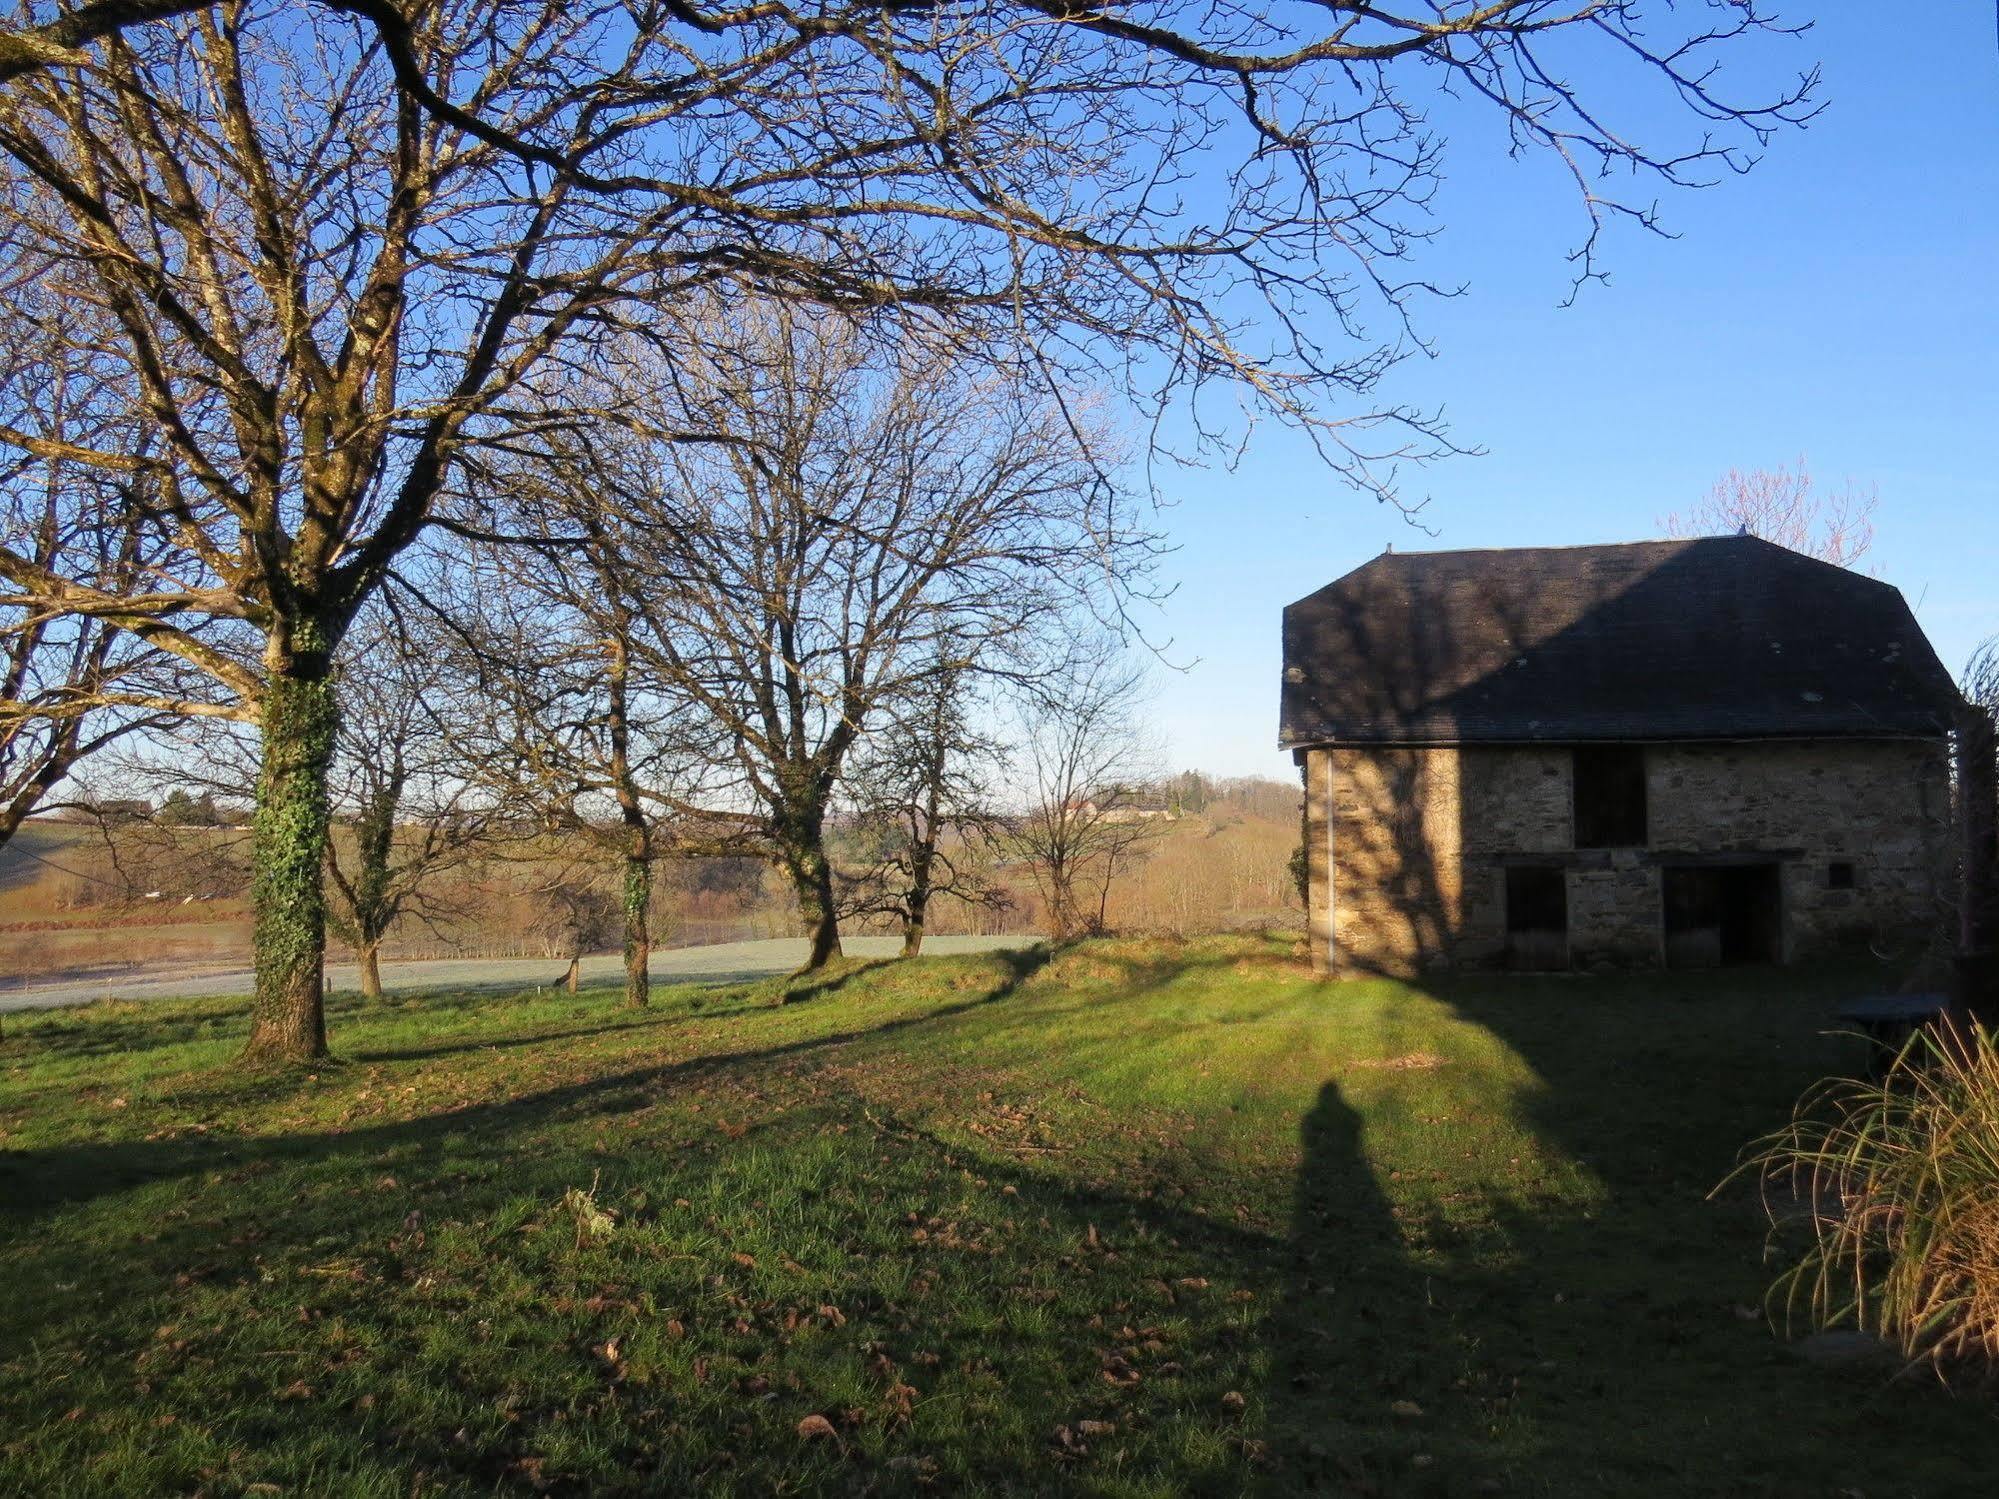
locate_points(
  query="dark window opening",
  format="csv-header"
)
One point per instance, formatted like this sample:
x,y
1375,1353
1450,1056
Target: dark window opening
x,y
1537,917
1610,796
1839,875
1724,915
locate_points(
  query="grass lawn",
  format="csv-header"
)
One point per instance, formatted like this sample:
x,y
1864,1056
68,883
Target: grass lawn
x,y
1144,1218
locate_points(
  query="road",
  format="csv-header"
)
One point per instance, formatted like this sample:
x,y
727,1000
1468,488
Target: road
x,y
724,962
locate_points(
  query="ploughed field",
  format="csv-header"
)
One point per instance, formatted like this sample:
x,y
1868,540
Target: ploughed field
x,y
1137,1218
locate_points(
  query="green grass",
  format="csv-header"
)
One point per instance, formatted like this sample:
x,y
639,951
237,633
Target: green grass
x,y
957,1209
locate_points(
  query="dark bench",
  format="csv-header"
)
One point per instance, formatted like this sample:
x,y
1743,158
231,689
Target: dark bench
x,y
1889,1020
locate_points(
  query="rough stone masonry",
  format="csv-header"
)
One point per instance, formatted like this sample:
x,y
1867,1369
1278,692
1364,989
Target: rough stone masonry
x,y
1680,753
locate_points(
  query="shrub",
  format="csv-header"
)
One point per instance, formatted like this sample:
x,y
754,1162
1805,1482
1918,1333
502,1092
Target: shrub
x,y
1897,1183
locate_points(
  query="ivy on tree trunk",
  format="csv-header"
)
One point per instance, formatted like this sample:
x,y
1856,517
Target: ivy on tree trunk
x,y
373,908
300,716
812,877
638,937
917,913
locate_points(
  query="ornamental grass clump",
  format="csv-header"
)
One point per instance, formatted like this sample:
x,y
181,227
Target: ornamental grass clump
x,y
1897,1184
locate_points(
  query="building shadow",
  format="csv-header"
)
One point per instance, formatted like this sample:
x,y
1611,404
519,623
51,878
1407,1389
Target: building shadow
x,y
1587,1316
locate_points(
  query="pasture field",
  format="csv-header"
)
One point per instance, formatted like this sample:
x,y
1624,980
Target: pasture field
x,y
1132,1218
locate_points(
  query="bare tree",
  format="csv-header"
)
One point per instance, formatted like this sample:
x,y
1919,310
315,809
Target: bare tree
x,y
579,916
402,811
398,792
187,847
1786,506
334,238
562,721
1084,746
929,813
59,674
70,685
311,322
854,518
1980,682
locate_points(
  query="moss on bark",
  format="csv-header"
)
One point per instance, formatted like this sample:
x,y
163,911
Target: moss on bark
x,y
804,854
300,716
638,933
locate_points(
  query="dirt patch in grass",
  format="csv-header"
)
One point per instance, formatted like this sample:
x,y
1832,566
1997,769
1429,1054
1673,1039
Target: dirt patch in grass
x,y
1414,1061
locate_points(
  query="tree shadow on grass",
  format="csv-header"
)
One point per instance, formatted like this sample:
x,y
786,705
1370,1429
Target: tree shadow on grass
x,y
302,1250
119,1028
34,1181
821,983
1530,1341
126,1028
636,1022
1018,964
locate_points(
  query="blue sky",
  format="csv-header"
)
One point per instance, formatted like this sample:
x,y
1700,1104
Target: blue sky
x,y
1840,304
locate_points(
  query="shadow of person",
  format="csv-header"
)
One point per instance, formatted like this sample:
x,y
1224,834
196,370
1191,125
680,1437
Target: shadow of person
x,y
1348,1350
1370,1344
1535,1292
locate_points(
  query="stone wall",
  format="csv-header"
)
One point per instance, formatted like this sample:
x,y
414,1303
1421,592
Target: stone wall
x,y
1883,806
1394,856
1409,847
1316,767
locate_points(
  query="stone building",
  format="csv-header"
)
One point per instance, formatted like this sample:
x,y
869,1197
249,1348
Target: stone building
x,y
1673,752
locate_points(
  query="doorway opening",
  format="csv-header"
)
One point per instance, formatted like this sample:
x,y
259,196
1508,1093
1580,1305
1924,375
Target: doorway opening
x,y
1718,915
1537,917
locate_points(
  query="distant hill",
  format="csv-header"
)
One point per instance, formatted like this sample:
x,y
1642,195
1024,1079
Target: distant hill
x,y
1217,859
22,865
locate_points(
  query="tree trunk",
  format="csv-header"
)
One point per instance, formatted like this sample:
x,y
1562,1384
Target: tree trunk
x,y
288,1017
1064,916
812,877
374,845
30,797
57,760
917,908
638,934
638,831
369,955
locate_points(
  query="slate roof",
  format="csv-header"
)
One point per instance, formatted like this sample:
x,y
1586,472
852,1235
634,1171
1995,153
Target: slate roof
x,y
1718,638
